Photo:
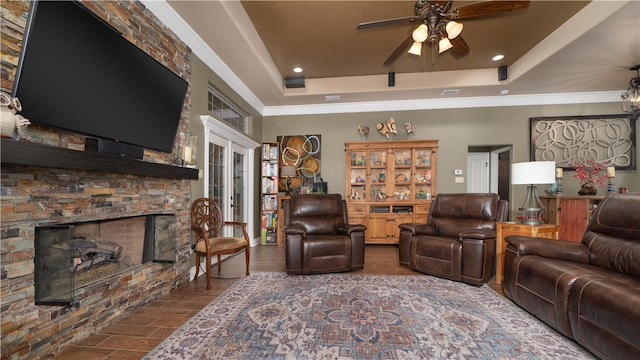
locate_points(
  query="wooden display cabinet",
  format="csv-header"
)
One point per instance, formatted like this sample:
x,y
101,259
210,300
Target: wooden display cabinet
x,y
389,183
571,213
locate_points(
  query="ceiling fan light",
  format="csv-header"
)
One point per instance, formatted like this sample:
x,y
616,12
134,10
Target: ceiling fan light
x,y
420,34
453,29
416,49
444,45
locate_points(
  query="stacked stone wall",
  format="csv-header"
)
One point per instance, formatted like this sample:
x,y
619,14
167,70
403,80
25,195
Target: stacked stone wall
x,y
35,196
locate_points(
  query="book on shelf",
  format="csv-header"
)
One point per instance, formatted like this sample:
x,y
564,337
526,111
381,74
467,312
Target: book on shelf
x,y
269,152
269,185
268,237
269,202
269,220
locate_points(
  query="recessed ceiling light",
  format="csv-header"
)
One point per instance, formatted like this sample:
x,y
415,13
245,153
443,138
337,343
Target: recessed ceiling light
x,y
504,92
497,57
332,98
297,69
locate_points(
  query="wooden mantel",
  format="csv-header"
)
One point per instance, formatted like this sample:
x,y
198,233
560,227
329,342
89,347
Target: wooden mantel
x,y
32,154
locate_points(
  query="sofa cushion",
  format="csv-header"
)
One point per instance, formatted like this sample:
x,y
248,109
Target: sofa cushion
x,y
317,214
542,286
436,255
604,315
616,254
453,212
613,236
326,254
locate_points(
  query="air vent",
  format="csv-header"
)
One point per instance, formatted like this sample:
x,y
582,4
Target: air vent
x,y
448,92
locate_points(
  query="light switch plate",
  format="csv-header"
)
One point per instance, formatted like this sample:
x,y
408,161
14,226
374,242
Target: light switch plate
x,y
459,180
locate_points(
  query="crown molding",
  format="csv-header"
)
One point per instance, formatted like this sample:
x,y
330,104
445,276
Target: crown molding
x,y
459,103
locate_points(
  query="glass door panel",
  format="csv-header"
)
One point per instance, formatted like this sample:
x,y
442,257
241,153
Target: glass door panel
x,y
238,200
422,178
358,175
217,173
403,175
378,175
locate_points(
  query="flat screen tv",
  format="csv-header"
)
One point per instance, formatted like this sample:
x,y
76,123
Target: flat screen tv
x,y
78,73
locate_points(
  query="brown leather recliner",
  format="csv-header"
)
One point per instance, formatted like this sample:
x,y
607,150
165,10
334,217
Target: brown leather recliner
x,y
318,236
458,242
588,291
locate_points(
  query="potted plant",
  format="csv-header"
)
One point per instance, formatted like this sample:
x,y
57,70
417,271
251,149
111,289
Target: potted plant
x,y
589,174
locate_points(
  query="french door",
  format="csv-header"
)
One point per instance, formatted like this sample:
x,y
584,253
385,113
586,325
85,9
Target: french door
x,y
229,171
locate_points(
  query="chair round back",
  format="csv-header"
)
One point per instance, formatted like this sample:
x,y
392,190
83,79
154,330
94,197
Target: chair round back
x,y
206,215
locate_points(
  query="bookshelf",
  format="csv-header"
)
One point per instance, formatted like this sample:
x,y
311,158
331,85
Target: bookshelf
x,y
269,195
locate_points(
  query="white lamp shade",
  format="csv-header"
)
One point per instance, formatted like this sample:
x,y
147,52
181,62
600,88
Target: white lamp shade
x,y
453,29
444,45
533,172
416,49
288,171
420,34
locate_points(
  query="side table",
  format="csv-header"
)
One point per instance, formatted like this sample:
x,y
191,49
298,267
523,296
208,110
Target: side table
x,y
504,229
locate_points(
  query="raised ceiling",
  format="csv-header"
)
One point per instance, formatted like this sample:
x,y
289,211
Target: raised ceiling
x,y
551,47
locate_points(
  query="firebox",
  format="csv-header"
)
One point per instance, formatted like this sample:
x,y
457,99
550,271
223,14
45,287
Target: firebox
x,y
71,256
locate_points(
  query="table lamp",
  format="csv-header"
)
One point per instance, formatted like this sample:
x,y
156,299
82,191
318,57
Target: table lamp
x,y
533,173
288,172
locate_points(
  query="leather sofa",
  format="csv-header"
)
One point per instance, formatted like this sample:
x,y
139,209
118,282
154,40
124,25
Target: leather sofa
x,y
318,236
458,241
588,291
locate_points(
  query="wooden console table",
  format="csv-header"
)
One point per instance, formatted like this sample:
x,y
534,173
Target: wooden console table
x,y
505,229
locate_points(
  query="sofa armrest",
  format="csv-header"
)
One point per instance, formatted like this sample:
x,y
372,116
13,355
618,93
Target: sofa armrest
x,y
478,234
419,229
295,230
349,228
550,248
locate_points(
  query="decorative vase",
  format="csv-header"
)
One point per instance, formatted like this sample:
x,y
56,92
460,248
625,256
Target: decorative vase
x,y
588,190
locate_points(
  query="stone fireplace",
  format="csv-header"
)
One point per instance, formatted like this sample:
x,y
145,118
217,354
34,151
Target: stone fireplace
x,y
50,181
72,256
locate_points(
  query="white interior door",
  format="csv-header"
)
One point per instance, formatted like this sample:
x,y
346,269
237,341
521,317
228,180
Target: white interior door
x,y
478,172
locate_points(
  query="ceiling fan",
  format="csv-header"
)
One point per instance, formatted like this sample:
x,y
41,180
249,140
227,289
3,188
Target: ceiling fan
x,y
437,25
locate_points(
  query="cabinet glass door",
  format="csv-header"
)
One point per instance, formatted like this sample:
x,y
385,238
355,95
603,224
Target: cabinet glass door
x,y
378,175
422,178
358,176
403,175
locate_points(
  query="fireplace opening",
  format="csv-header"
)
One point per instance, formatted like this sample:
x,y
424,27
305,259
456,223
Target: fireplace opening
x,y
72,256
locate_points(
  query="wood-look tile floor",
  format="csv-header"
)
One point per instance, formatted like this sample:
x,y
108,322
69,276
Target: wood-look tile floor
x,y
140,331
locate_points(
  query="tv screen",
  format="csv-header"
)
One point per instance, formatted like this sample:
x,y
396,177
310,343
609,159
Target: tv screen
x,y
78,73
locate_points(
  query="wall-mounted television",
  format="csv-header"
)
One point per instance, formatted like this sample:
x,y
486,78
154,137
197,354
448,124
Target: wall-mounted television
x,y
78,73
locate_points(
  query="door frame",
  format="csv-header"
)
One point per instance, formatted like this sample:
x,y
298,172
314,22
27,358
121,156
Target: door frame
x,y
233,141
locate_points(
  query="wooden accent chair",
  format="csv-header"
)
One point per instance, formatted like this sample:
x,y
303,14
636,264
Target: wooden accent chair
x,y
207,223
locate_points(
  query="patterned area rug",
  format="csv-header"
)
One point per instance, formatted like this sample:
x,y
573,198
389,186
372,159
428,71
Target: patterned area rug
x,y
356,316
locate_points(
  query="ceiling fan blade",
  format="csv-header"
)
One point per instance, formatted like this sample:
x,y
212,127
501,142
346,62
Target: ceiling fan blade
x,y
490,7
402,48
387,22
460,47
